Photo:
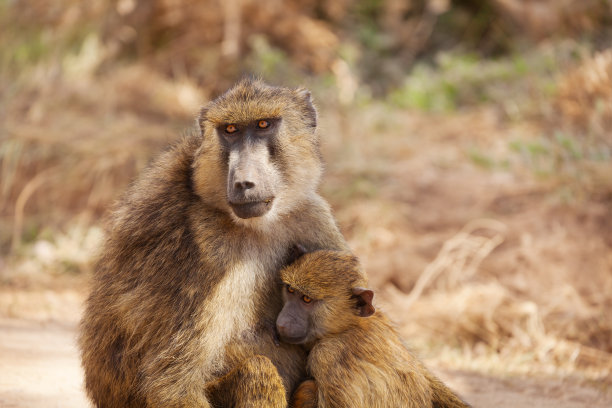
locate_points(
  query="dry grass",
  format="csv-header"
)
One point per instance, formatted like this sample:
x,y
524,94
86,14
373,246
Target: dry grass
x,y
495,268
525,290
71,145
584,100
487,237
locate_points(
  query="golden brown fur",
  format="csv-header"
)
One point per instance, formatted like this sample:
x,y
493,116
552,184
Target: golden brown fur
x,y
184,292
356,361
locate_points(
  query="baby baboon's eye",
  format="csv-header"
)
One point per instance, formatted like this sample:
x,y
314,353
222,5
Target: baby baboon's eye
x,y
262,124
306,299
230,129
290,289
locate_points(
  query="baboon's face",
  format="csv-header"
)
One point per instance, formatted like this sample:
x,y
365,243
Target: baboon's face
x,y
322,295
259,155
295,323
304,319
252,179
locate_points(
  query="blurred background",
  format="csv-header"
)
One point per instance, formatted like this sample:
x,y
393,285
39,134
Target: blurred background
x,y
468,146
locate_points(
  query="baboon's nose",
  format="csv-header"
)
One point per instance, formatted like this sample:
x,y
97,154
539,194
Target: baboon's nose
x,y
281,329
243,185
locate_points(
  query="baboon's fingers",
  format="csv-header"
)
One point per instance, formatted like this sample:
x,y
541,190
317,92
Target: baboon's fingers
x,y
253,384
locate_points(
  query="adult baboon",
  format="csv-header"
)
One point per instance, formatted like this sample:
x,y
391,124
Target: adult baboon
x,y
355,355
185,291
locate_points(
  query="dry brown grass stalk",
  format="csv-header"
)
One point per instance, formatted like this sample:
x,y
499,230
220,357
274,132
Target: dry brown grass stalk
x,y
459,257
27,191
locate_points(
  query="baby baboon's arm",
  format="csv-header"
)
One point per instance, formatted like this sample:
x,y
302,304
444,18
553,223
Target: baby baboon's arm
x,y
305,396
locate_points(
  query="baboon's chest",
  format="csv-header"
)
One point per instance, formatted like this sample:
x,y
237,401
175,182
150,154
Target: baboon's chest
x,y
249,289
241,309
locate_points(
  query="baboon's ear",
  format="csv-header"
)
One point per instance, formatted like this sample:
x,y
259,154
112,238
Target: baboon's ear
x,y
295,252
364,301
308,109
202,119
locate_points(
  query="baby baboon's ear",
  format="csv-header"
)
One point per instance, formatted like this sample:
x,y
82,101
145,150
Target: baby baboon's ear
x,y
364,301
202,119
307,107
295,252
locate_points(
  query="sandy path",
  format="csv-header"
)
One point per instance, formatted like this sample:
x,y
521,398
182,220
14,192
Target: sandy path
x,y
39,367
482,391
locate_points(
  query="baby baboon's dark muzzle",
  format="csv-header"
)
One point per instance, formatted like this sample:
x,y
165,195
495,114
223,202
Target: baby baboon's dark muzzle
x,y
292,324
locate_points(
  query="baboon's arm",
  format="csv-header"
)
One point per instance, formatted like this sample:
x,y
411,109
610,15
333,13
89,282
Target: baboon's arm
x,y
253,384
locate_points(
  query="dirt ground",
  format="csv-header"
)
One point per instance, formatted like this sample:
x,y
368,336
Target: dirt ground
x,y
39,363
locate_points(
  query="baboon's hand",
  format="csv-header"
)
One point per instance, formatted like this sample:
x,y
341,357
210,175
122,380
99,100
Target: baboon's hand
x,y
305,396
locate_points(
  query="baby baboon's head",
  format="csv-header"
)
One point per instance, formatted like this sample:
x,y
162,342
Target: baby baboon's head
x,y
324,294
259,155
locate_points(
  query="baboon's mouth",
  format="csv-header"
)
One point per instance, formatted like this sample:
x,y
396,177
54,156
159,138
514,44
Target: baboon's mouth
x,y
252,208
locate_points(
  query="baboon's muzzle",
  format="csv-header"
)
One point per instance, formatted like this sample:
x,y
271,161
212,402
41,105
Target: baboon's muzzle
x,y
251,181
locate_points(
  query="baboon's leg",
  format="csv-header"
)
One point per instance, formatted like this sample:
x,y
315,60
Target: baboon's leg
x,y
255,383
305,396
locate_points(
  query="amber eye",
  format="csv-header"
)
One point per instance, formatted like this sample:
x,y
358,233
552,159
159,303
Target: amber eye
x,y
230,128
262,124
306,299
290,289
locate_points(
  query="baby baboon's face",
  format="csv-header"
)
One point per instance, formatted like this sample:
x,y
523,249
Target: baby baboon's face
x,y
304,319
294,322
322,295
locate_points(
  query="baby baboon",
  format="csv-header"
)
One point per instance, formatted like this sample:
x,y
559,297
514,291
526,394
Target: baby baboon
x,y
356,357
185,291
